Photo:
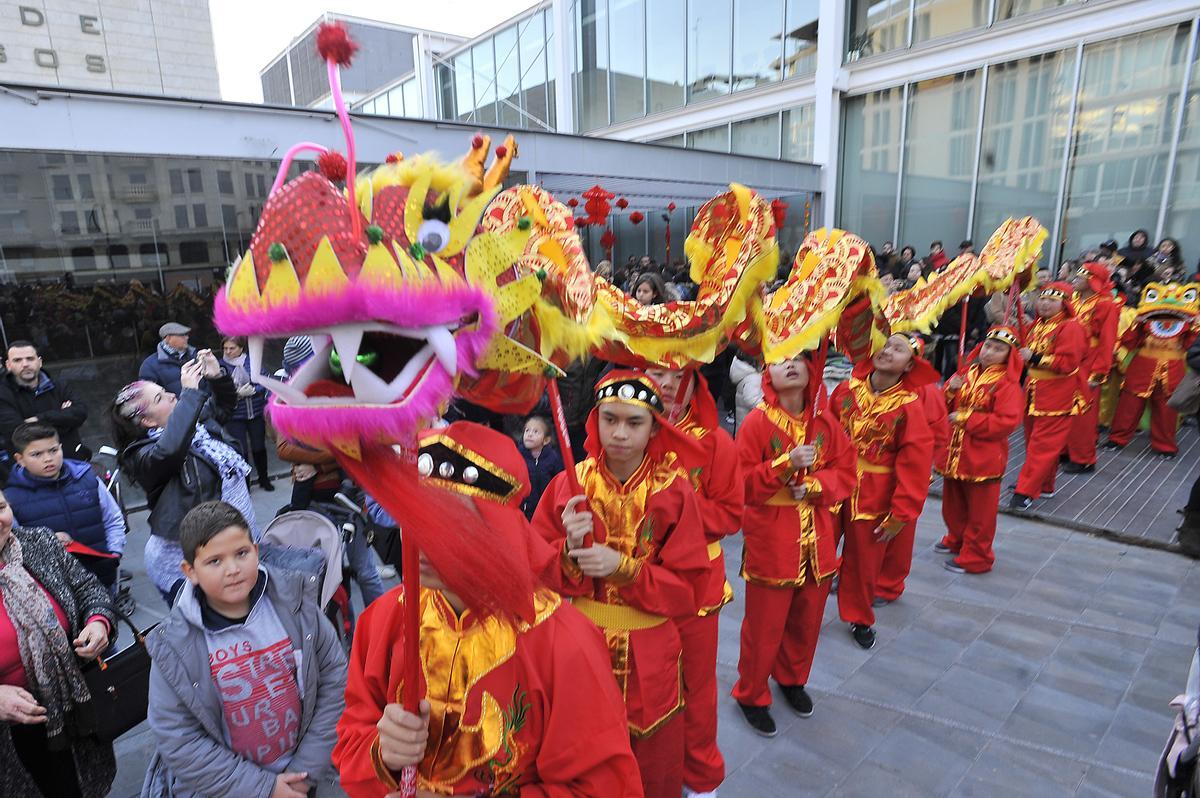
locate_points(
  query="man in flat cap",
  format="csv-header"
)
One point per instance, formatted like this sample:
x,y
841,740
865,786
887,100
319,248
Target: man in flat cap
x,y
162,366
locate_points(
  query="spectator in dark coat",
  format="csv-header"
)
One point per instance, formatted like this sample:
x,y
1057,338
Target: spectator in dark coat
x,y
1139,248
163,365
28,395
541,459
248,425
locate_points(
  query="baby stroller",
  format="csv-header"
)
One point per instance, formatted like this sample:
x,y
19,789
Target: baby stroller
x,y
308,542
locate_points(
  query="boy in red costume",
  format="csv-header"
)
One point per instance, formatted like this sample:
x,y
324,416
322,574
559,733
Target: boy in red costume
x,y
1159,341
985,403
898,562
647,564
1054,349
880,408
518,700
1098,314
798,464
718,485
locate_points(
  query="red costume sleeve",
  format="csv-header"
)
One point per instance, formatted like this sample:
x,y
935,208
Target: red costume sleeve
x,y
1070,346
1100,358
720,499
762,452
839,473
914,463
1008,408
673,584
936,414
547,522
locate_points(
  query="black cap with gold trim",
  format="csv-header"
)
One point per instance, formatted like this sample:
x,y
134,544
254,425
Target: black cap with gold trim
x,y
475,461
631,387
1005,335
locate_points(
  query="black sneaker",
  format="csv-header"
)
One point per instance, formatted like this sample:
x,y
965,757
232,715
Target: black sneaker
x,y
863,635
797,699
1113,445
1079,468
759,719
942,548
1020,501
952,565
266,485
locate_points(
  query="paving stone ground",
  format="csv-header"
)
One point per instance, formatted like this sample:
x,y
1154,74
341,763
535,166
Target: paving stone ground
x,y
1050,676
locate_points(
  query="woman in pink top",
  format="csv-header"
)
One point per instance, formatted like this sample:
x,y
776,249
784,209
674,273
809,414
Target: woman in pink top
x,y
54,614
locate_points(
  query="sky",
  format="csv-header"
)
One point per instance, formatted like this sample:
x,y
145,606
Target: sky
x,y
249,33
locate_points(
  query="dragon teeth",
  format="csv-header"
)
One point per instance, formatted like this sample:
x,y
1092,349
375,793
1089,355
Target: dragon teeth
x,y
347,340
442,342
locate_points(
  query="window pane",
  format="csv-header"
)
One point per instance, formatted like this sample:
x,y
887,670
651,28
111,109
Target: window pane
x,y
1007,9
224,181
759,136
626,70
464,86
484,64
936,18
176,176
756,45
444,77
1128,98
412,98
181,217
800,41
670,141
666,27
591,64
1183,222
508,78
708,48
939,158
715,139
395,103
85,186
533,43
870,159
195,180
1024,122
62,187
69,222
876,26
798,134
200,214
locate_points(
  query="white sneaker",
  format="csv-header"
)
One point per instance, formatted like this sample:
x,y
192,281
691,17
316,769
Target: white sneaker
x,y
387,571
693,794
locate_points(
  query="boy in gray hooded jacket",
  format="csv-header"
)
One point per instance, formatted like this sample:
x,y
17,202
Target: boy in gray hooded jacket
x,y
247,677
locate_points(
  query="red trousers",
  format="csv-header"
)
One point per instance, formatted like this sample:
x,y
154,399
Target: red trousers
x,y
1163,420
897,562
969,510
779,637
1045,438
1081,442
703,765
862,559
660,759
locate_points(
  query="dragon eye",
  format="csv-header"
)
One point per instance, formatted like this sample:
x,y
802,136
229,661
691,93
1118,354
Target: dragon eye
x,y
1189,296
433,235
1151,295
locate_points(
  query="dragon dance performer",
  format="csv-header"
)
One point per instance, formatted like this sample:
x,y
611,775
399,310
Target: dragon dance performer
x,y
647,565
881,410
898,563
1098,314
1166,326
985,404
1054,349
799,465
518,700
718,485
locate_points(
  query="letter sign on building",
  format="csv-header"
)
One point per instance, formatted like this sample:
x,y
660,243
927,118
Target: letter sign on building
x,y
89,24
32,17
45,58
48,58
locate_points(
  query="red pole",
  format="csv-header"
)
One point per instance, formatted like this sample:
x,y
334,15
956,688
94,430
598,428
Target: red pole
x,y
564,444
411,573
962,332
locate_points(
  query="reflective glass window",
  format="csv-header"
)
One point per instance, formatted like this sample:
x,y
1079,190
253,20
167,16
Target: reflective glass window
x,y
200,214
484,69
800,37
225,181
181,217
62,187
939,158
1025,118
86,191
627,51
443,77
666,29
1183,213
395,102
1007,9
759,136
715,139
870,155
757,48
876,26
708,48
937,18
1128,97
798,133
412,98
508,78
670,141
591,64
533,43
464,86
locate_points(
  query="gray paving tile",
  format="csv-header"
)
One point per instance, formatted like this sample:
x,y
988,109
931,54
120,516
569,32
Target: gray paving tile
x,y
1126,614
946,752
1014,648
1012,770
1059,719
898,679
1134,732
967,696
1105,783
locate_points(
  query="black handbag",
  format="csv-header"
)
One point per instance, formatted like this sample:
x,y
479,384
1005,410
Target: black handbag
x,y
120,685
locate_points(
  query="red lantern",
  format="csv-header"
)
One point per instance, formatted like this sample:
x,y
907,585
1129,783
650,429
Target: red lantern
x,y
779,209
580,222
607,240
597,205
622,203
574,203
671,207
636,217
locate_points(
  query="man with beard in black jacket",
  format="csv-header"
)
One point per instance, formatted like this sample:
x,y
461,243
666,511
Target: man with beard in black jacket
x,y
28,394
